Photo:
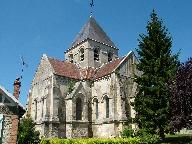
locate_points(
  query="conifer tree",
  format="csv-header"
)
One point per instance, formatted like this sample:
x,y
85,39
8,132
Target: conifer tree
x,y
157,66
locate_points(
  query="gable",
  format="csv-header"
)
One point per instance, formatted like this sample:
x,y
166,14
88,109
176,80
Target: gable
x,y
43,71
127,67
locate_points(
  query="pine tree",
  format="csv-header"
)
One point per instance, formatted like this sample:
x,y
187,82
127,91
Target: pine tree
x,y
157,66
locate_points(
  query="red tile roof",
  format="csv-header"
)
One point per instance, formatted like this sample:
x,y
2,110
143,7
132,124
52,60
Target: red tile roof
x,y
107,68
67,69
88,73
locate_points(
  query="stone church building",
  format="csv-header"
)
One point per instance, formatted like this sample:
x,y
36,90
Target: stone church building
x,y
89,93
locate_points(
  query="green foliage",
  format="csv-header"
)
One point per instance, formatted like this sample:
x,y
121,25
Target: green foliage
x,y
178,138
181,100
27,133
127,132
71,85
146,137
92,141
158,67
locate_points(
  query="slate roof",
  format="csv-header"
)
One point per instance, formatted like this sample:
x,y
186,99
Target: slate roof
x,y
92,30
71,70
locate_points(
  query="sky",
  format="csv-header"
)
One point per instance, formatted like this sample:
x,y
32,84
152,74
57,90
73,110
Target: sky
x,y
31,28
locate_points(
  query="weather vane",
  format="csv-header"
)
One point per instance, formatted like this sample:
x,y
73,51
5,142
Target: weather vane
x,y
24,65
92,5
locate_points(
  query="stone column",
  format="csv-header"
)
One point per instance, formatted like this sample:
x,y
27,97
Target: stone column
x,y
69,118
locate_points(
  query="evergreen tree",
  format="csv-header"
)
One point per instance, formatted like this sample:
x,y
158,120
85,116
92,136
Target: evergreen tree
x,y
181,100
157,66
27,133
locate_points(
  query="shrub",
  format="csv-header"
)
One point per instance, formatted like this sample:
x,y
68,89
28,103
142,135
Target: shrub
x,y
27,133
127,132
146,137
92,141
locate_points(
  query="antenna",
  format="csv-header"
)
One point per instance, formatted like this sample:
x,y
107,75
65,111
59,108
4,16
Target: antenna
x,y
24,65
92,5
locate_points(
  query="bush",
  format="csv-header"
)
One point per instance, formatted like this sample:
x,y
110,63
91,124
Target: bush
x,y
127,132
27,133
146,137
92,141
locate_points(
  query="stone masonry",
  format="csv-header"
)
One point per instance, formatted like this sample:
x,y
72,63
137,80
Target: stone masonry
x,y
11,110
89,93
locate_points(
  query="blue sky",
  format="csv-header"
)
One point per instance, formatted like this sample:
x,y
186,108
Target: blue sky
x,y
33,27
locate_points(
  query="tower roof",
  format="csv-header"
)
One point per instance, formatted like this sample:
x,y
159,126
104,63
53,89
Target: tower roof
x,y
92,30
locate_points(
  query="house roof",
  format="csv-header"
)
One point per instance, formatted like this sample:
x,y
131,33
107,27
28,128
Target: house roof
x,y
92,30
71,70
2,89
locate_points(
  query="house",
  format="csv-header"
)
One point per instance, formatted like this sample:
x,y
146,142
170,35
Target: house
x,y
88,94
10,112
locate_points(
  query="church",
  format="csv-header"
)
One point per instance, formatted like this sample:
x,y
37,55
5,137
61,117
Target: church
x,y
89,93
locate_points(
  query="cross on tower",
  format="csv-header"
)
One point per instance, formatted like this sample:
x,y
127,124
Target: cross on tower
x,y
92,5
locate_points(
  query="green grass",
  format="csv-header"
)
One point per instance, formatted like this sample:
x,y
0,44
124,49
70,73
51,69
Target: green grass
x,y
178,139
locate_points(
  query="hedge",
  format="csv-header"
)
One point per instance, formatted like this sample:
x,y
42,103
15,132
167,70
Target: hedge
x,y
92,141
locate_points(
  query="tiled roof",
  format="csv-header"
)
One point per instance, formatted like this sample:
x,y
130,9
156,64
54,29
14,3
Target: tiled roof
x,y
88,73
107,68
92,30
67,69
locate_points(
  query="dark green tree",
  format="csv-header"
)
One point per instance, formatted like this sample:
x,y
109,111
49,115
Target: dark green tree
x,y
27,133
157,66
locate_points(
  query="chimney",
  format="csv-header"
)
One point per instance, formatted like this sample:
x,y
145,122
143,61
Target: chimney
x,y
17,85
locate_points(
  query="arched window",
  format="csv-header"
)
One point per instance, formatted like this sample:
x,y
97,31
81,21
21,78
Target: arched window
x,y
96,108
81,54
35,109
71,58
110,56
78,109
107,106
96,54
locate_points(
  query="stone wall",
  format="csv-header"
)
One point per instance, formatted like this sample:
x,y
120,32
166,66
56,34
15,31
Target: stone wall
x,y
89,47
40,104
10,125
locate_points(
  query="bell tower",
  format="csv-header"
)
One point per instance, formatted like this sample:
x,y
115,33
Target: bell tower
x,y
92,47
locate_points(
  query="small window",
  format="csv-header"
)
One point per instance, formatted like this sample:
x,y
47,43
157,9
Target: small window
x,y
96,108
107,106
110,56
42,107
96,54
71,58
78,109
81,54
1,125
1,98
35,109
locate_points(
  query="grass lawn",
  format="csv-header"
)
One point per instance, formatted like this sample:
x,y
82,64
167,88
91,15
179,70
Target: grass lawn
x,y
178,139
